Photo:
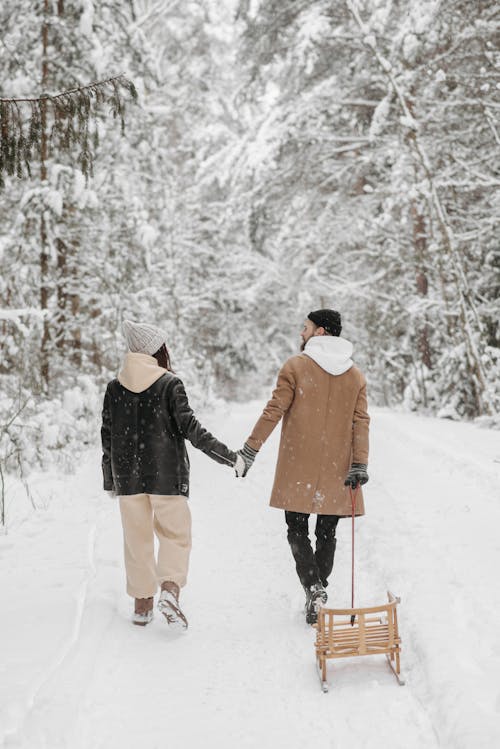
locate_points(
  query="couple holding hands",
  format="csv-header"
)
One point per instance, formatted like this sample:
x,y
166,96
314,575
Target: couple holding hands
x,y
146,418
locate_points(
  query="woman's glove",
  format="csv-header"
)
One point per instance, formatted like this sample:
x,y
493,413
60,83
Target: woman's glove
x,y
357,475
244,460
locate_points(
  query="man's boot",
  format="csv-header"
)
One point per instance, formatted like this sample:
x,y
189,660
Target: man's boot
x,y
169,606
143,611
316,596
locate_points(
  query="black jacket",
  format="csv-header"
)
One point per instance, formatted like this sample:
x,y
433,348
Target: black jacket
x,y
143,439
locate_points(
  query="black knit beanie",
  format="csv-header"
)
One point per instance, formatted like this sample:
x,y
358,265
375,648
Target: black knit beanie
x,y
329,319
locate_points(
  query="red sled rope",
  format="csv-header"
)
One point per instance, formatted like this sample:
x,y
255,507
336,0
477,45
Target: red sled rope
x,y
353,505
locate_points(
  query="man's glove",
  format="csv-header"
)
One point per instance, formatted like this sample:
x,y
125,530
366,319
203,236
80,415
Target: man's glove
x,y
356,475
244,460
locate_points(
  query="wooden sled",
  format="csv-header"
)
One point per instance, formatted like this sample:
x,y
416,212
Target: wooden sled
x,y
374,632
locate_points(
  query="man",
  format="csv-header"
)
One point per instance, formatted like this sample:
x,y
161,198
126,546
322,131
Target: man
x,y
321,397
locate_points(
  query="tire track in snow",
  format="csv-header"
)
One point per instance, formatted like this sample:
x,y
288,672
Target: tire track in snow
x,y
39,694
458,453
430,526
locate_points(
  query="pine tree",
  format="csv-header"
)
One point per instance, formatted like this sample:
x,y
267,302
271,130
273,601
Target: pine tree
x,y
57,132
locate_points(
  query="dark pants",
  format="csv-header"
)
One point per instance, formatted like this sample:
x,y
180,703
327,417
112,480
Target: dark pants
x,y
312,567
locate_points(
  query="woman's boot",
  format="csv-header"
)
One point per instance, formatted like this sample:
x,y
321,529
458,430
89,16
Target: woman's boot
x,y
169,605
143,611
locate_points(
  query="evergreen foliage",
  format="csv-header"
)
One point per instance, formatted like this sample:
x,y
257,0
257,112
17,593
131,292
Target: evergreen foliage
x,y
68,121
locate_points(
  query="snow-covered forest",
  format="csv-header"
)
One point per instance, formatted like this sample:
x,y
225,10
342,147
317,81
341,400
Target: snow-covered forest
x,y
282,156
220,168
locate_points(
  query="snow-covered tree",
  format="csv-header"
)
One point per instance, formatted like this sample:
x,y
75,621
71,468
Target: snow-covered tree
x,y
376,182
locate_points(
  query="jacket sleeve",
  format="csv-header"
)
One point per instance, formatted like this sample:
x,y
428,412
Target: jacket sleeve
x,y
191,429
360,425
276,408
107,473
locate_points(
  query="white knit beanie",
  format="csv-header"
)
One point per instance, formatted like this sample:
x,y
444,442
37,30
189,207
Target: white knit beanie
x,y
142,338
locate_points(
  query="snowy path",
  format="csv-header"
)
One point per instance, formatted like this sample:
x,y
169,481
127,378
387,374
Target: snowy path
x,y
76,674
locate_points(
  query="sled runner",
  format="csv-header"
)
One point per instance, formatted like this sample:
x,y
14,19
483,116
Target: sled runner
x,y
374,632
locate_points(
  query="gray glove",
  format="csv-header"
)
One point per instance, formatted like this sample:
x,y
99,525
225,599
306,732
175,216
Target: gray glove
x,y
244,461
357,475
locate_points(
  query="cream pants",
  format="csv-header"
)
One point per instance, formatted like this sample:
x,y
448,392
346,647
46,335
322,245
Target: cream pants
x,y
169,517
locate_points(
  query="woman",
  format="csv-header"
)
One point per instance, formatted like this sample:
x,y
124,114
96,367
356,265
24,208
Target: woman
x,y
145,419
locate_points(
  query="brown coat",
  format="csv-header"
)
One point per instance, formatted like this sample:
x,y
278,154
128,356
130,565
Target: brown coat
x,y
325,429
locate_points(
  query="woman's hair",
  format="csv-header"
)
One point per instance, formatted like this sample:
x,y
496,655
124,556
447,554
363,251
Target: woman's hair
x,y
163,358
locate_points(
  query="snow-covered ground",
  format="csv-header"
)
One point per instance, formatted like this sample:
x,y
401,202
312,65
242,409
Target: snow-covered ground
x,y
76,674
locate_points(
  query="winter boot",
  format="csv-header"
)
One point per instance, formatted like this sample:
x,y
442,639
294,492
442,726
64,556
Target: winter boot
x,y
143,611
316,596
169,606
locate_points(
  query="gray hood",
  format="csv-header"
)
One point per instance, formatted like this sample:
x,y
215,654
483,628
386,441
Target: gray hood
x,y
332,353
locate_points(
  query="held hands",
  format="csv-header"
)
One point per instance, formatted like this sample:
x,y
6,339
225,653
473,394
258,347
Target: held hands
x,y
244,460
357,475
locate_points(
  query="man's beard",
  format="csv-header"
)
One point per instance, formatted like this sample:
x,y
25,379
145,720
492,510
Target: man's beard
x,y
303,345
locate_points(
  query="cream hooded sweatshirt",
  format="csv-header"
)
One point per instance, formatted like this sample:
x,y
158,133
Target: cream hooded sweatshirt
x,y
139,371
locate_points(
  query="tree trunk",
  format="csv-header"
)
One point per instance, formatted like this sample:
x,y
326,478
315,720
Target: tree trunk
x,y
420,245
74,304
44,250
62,298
